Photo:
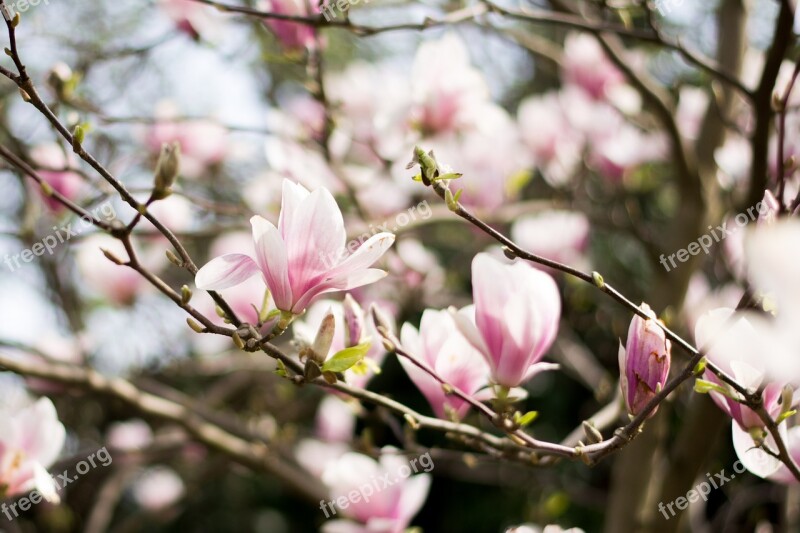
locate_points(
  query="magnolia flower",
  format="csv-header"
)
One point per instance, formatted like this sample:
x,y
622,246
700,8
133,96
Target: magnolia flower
x,y
440,345
31,440
587,66
644,361
546,130
302,258
388,510
516,314
445,87
717,323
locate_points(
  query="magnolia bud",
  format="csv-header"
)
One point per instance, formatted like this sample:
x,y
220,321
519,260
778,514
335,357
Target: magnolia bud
x,y
167,169
353,322
644,361
324,339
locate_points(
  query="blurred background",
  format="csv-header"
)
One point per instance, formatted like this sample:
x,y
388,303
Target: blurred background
x,y
596,150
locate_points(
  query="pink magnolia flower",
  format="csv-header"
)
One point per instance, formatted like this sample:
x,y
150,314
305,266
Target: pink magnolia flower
x,y
587,66
302,258
440,345
722,322
51,159
548,133
644,361
389,510
782,474
31,441
446,89
292,35
516,314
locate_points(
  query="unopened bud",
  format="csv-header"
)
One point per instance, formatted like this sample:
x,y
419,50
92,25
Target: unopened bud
x,y
167,169
111,257
353,322
324,339
592,434
174,258
186,294
195,326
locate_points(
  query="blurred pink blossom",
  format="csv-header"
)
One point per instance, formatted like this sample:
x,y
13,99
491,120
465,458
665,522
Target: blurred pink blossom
x,y
389,510
158,488
31,441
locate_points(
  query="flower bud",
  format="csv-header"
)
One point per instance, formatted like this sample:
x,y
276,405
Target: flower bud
x,y
644,362
353,322
167,169
324,339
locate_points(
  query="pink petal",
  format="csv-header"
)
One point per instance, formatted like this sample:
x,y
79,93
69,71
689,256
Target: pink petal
x,y
225,271
343,282
271,258
369,252
292,196
315,239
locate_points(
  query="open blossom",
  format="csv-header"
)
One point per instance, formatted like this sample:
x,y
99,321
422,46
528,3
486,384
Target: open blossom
x,y
446,89
31,441
302,258
719,322
644,361
389,510
547,132
440,345
587,66
516,314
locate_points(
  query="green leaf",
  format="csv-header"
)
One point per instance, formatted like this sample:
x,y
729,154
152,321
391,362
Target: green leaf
x,y
527,418
704,387
785,415
346,358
